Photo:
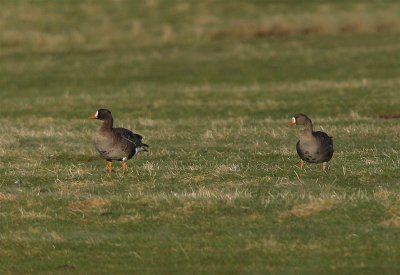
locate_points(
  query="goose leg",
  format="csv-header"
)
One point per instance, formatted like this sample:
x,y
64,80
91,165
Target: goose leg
x,y
109,166
301,164
324,167
124,165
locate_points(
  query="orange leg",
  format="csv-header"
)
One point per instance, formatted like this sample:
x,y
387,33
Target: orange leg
x,y
124,166
301,164
109,166
324,167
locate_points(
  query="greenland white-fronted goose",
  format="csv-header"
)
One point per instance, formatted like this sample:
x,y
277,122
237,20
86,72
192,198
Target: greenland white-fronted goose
x,y
116,143
314,147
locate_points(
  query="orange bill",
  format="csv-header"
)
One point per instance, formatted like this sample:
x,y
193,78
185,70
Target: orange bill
x,y
292,122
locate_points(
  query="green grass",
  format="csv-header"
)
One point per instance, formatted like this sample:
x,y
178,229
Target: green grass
x,y
220,190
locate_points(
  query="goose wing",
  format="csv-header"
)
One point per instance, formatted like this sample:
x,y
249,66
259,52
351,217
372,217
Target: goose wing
x,y
129,136
325,142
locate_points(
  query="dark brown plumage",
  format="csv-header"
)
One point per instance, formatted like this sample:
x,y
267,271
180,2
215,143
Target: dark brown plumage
x,y
313,147
116,143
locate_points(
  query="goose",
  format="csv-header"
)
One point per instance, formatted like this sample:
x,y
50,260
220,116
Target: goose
x,y
116,144
313,147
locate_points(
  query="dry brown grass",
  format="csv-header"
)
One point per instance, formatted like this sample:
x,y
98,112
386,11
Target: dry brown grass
x,y
92,203
167,34
21,26
222,169
33,215
270,244
392,202
392,222
320,23
301,86
385,195
390,115
134,218
7,197
202,195
312,207
55,236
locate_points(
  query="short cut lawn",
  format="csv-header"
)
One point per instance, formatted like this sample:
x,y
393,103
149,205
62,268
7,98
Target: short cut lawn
x,y
211,86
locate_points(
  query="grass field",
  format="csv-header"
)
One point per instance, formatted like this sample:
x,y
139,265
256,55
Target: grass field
x,y
211,86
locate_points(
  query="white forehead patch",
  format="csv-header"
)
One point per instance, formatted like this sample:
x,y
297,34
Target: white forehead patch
x,y
293,120
96,114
